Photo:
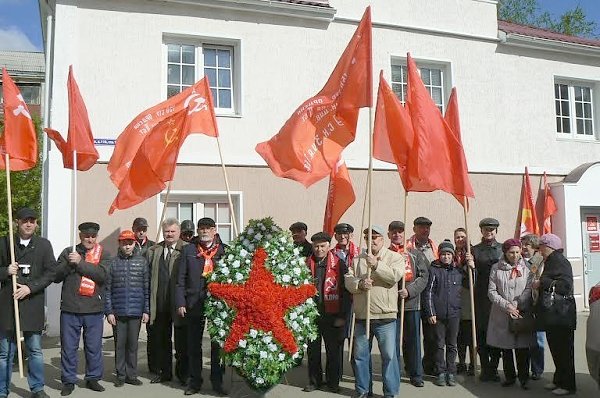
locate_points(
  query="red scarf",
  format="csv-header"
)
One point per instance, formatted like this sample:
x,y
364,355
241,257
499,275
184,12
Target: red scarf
x,y
412,244
208,254
332,283
88,286
515,272
409,273
352,252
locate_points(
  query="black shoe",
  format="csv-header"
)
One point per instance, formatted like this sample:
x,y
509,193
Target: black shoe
x,y
461,368
220,391
310,388
67,389
471,371
94,385
161,379
119,383
334,389
134,381
191,391
508,383
39,394
417,382
536,376
524,386
360,395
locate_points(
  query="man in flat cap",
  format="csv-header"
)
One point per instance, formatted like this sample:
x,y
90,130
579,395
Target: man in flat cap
x,y
34,267
198,262
187,230
298,230
333,302
83,274
387,269
345,249
416,275
485,254
140,229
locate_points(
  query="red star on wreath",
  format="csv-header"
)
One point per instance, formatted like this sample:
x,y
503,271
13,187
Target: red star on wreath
x,y
261,303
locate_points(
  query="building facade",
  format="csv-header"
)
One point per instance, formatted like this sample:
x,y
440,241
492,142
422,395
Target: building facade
x,y
27,69
527,98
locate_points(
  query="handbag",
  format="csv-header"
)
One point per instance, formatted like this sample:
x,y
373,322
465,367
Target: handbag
x,y
525,323
558,310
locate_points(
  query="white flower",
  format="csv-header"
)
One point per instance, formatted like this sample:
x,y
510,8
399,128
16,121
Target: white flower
x,y
310,301
266,245
306,282
242,343
281,266
305,345
251,247
262,227
230,257
283,239
238,276
295,325
250,231
297,270
281,356
253,333
260,380
306,321
243,253
296,355
223,314
263,355
229,280
275,252
293,315
225,271
273,347
258,236
247,261
221,332
286,278
296,251
236,264
294,262
269,236
267,339
219,304
218,321
246,242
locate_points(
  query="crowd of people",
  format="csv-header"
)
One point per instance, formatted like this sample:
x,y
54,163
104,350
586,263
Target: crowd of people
x,y
421,287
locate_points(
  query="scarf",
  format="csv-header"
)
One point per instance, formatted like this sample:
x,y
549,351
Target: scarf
x,y
409,273
331,284
413,244
515,271
347,255
208,255
88,286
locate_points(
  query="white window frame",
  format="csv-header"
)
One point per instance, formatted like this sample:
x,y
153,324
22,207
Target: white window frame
x,y
199,42
571,84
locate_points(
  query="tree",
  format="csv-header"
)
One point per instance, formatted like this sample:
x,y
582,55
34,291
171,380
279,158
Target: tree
x,y
26,186
527,12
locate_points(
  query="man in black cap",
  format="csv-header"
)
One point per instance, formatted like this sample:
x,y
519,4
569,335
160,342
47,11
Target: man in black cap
x,y
345,249
187,230
140,229
416,275
198,262
34,267
298,230
485,254
83,273
333,302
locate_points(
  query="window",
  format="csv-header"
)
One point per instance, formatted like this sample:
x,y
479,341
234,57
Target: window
x,y
432,76
188,62
574,108
30,93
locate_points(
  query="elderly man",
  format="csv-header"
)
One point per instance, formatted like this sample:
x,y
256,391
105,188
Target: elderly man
x,y
416,275
198,262
164,259
140,229
345,249
34,267
386,269
83,273
299,230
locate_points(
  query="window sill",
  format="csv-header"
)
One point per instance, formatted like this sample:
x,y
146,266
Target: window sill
x,y
592,140
230,115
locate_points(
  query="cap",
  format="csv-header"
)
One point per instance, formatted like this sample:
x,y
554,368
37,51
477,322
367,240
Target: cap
x,y
446,247
376,229
396,225
321,237
89,227
489,222
422,221
187,226
298,225
206,222
25,213
551,240
343,228
510,243
140,222
126,235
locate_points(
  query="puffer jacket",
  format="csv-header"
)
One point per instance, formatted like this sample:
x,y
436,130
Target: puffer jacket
x,y
442,295
128,286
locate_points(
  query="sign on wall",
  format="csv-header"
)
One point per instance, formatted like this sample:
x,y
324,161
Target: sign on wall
x,y
592,223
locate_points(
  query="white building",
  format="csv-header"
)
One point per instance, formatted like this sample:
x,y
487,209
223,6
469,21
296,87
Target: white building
x,y
527,98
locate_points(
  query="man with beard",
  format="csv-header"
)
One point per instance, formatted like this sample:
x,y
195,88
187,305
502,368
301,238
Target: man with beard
x,y
298,230
198,262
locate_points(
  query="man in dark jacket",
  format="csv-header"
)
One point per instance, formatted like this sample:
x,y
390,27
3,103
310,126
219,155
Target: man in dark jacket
x,y
197,263
83,274
127,306
164,259
299,230
34,267
485,254
416,275
140,229
187,230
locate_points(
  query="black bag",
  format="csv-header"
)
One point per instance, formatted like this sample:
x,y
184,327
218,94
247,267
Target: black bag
x,y
558,310
523,324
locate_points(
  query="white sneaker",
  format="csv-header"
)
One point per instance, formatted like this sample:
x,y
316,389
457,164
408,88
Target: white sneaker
x,y
561,391
550,386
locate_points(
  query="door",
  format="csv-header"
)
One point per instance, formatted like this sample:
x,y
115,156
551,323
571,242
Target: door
x,y
591,249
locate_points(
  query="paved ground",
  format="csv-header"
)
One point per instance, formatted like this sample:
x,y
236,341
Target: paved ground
x,y
293,382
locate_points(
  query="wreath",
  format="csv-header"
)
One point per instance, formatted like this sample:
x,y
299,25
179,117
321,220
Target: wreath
x,y
260,308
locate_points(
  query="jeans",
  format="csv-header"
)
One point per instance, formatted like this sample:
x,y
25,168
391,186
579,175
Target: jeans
x,y
537,354
411,346
446,331
385,333
35,361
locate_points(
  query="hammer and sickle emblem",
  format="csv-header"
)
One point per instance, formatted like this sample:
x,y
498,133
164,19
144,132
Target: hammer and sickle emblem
x,y
171,133
200,103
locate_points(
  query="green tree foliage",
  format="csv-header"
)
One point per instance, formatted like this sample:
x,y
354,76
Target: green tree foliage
x,y
527,12
26,186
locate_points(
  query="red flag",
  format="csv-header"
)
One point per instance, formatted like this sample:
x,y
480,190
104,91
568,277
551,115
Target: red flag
x,y
308,146
19,139
80,136
201,116
529,223
549,207
393,133
437,158
453,120
339,197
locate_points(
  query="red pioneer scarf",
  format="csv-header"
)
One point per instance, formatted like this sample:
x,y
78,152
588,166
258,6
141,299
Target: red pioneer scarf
x,y
331,284
409,273
412,244
352,251
208,254
88,286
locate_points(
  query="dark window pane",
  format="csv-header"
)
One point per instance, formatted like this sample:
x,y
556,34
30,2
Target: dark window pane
x,y
558,125
396,73
224,78
579,126
212,76
566,126
425,76
436,94
565,108
174,53
587,110
188,54
556,91
172,90
224,98
557,107
210,57
224,58
188,76
436,77
589,129
564,91
578,94
578,109
173,74
213,92
587,94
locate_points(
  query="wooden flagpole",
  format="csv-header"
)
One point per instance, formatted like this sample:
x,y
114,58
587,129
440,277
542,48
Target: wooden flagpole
x,y
402,303
164,211
471,289
11,236
74,200
235,228
369,214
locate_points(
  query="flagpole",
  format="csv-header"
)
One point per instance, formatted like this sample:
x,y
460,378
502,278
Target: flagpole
x,y
235,228
74,200
370,234
471,292
12,261
164,211
404,277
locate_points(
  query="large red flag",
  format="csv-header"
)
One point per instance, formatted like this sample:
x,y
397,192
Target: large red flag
x,y
201,120
437,158
529,223
549,207
79,137
393,133
453,120
19,139
308,146
339,197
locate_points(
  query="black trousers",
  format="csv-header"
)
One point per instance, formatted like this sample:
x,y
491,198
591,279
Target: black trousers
x,y
488,355
334,349
151,349
126,334
162,330
429,345
561,344
195,335
446,332
464,341
182,360
508,363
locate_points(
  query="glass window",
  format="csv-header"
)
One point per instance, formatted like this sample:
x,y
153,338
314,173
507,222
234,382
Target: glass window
x,y
181,68
433,79
218,69
574,110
